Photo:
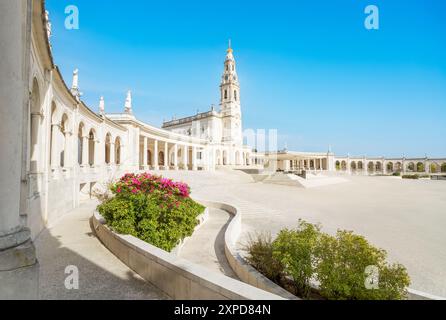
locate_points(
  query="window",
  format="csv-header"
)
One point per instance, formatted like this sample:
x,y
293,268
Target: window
x,y
235,95
226,94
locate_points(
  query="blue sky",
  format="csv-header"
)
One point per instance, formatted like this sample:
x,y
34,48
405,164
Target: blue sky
x,y
307,68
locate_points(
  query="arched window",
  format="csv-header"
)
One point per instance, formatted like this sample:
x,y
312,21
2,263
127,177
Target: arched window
x,y
235,95
91,148
226,94
80,144
107,148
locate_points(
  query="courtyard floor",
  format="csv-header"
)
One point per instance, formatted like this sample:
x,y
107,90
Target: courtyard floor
x,y
407,218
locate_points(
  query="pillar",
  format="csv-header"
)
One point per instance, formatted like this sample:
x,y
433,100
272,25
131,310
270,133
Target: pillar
x,y
18,264
155,155
194,158
85,149
35,159
112,153
55,161
175,156
185,157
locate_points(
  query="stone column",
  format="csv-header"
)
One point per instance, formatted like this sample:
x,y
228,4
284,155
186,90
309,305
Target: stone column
x,y
155,155
194,159
55,160
112,153
18,264
144,154
166,156
85,150
35,140
175,157
185,157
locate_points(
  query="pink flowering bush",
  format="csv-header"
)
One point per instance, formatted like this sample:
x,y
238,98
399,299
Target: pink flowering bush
x,y
152,208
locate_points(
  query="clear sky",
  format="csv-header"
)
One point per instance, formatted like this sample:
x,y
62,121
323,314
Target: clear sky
x,y
307,68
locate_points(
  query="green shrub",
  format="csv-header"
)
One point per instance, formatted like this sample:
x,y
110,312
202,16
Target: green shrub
x,y
343,262
397,174
411,176
260,255
152,209
296,251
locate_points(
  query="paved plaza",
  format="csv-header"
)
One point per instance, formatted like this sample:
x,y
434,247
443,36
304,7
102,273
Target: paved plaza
x,y
404,217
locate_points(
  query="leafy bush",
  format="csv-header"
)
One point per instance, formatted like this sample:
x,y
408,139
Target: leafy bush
x,y
260,256
156,210
341,270
397,174
296,251
411,176
338,264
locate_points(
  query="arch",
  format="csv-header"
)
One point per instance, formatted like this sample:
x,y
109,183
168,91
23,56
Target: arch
x,y
35,123
389,166
218,157
443,167
225,157
107,148
338,165
420,167
64,129
378,166
360,165
161,158
80,143
149,157
344,165
353,166
411,166
371,166
91,147
118,150
398,167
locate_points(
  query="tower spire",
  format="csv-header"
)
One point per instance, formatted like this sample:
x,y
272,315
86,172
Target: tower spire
x,y
128,103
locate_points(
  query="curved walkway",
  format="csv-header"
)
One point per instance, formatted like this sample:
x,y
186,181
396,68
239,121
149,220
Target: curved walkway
x,y
206,246
70,242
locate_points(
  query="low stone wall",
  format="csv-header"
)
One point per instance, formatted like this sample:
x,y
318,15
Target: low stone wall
x,y
242,269
202,218
178,278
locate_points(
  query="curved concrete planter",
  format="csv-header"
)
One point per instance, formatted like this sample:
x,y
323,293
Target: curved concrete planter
x,y
178,278
242,269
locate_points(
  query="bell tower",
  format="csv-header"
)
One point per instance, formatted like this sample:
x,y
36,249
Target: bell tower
x,y
230,101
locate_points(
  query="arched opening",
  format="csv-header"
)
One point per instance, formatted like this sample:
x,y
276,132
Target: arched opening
x,y
390,166
91,147
53,136
420,167
371,167
218,157
344,165
433,167
338,165
118,150
360,165
443,167
353,166
235,95
378,167
398,167
411,166
225,158
149,157
161,158
80,143
107,148
35,122
63,145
